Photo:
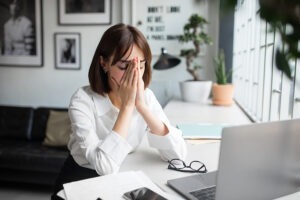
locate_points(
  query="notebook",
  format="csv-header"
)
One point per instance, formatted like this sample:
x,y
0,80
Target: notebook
x,y
201,131
257,161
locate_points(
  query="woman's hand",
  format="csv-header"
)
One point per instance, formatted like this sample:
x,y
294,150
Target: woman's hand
x,y
140,97
128,85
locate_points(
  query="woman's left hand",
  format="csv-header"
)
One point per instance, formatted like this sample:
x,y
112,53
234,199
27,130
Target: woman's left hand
x,y
140,97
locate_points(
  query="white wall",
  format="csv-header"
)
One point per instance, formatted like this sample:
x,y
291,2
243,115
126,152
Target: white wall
x,y
47,86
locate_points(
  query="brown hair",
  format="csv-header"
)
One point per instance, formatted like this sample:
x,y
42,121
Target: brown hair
x,y
114,44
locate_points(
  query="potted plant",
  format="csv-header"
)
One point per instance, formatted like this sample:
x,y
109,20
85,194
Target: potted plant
x,y
222,91
194,90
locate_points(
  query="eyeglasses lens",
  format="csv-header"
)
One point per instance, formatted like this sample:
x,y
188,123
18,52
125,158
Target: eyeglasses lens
x,y
178,164
197,165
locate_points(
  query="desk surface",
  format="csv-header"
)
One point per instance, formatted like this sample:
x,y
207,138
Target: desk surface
x,y
147,159
184,112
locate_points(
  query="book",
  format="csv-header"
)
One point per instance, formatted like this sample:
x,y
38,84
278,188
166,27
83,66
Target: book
x,y
201,130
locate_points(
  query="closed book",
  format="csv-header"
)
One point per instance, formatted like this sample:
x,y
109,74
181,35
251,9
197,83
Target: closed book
x,y
201,131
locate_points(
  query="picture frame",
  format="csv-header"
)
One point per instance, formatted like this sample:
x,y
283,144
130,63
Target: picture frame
x,y
155,19
21,47
95,12
67,51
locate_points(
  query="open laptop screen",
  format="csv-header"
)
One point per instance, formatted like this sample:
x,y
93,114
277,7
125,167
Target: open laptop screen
x,y
259,161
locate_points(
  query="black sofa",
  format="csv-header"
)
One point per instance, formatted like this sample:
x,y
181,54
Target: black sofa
x,y
23,157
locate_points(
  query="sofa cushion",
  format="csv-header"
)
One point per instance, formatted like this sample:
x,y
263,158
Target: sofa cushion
x,y
40,120
58,129
31,156
15,122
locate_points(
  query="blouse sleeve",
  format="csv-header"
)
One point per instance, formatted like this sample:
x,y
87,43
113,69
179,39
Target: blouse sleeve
x,y
171,145
106,154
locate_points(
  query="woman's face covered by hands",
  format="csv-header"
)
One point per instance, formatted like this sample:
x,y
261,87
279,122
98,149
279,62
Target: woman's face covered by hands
x,y
116,72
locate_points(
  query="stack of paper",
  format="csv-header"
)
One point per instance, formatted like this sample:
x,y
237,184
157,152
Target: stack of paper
x,y
201,131
111,186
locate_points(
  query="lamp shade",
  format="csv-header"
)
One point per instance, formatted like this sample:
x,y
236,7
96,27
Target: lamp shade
x,y
166,61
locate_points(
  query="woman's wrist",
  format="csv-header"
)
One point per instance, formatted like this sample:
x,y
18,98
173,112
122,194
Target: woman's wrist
x,y
123,121
142,109
127,107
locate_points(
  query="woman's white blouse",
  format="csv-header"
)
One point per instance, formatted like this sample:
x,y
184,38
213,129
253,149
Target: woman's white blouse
x,y
94,145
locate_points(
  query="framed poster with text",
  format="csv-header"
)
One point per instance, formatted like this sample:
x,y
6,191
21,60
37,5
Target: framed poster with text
x,y
162,21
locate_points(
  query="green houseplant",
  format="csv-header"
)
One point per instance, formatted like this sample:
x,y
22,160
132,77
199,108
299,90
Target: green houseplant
x,y
194,33
222,91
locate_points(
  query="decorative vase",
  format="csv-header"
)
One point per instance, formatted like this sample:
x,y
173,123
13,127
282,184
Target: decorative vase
x,y
222,95
195,91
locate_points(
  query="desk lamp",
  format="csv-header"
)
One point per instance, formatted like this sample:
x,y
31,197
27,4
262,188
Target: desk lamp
x,y
166,61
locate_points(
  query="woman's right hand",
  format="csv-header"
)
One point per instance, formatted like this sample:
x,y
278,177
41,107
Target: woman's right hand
x,y
128,85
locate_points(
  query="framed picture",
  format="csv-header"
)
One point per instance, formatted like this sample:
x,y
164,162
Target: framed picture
x,y
67,50
21,40
82,12
162,22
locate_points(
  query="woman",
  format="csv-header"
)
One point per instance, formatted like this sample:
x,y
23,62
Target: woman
x,y
111,116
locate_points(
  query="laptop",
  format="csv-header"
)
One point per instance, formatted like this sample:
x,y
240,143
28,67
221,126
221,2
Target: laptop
x,y
257,161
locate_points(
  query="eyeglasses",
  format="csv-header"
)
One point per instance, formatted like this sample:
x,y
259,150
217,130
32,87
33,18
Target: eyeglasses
x,y
194,167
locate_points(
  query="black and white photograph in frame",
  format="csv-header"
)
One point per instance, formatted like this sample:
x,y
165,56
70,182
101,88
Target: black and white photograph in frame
x,y
21,33
82,12
67,50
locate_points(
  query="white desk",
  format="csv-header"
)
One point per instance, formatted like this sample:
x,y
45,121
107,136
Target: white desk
x,y
184,112
208,152
148,160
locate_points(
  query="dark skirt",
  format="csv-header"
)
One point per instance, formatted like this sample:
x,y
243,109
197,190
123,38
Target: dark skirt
x,y
70,172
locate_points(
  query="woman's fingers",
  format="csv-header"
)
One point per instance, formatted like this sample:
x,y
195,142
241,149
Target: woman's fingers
x,y
124,77
129,73
115,81
132,72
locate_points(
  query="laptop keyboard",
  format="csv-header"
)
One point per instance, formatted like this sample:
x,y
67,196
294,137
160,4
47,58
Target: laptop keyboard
x,y
205,193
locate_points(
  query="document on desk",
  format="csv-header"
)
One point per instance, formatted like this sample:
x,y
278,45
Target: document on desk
x,y
201,130
111,186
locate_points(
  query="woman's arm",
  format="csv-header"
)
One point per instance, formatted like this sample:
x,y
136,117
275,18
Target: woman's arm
x,y
155,124
101,148
161,134
127,93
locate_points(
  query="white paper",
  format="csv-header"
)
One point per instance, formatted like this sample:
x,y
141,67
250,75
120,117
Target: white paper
x,y
111,186
62,194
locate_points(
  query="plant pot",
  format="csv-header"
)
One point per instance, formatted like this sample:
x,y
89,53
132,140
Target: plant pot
x,y
195,91
222,95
